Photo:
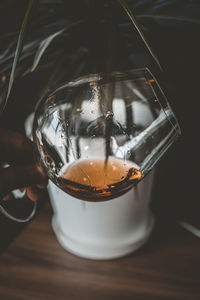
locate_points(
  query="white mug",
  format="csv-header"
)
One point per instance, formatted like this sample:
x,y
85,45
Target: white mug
x,y
102,230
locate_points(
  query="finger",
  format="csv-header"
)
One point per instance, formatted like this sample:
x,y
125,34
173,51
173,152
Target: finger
x,y
15,147
7,197
17,177
33,193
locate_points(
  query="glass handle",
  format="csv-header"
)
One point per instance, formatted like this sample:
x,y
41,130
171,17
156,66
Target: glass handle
x,y
18,199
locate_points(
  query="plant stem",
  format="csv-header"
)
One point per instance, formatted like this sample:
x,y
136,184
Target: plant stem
x,y
135,23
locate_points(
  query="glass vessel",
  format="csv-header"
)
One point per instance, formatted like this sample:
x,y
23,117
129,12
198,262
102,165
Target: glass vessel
x,y
100,134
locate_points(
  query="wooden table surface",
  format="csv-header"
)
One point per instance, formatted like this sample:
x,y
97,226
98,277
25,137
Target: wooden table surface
x,y
35,266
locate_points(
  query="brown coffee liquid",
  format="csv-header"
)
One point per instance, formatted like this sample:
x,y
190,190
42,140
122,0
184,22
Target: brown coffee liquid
x,y
96,180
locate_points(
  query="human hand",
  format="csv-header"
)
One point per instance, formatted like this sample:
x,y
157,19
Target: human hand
x,y
21,171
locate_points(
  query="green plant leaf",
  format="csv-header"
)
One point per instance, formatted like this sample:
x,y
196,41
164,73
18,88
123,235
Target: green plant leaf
x,y
47,41
135,23
44,44
18,52
170,18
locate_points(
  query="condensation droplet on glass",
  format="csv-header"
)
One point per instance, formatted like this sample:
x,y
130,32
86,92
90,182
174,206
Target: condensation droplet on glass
x,y
109,114
134,125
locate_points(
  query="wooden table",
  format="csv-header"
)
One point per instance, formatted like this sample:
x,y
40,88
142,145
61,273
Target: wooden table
x,y
35,266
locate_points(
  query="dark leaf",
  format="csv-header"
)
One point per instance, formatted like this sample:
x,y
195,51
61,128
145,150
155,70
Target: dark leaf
x,y
18,52
135,23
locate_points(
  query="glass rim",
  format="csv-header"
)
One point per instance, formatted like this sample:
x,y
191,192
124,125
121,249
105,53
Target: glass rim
x,y
104,77
165,103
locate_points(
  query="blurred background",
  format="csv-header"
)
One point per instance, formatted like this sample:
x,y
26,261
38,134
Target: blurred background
x,y
66,39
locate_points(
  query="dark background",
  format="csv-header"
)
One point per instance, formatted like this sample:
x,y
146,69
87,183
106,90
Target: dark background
x,y
176,191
